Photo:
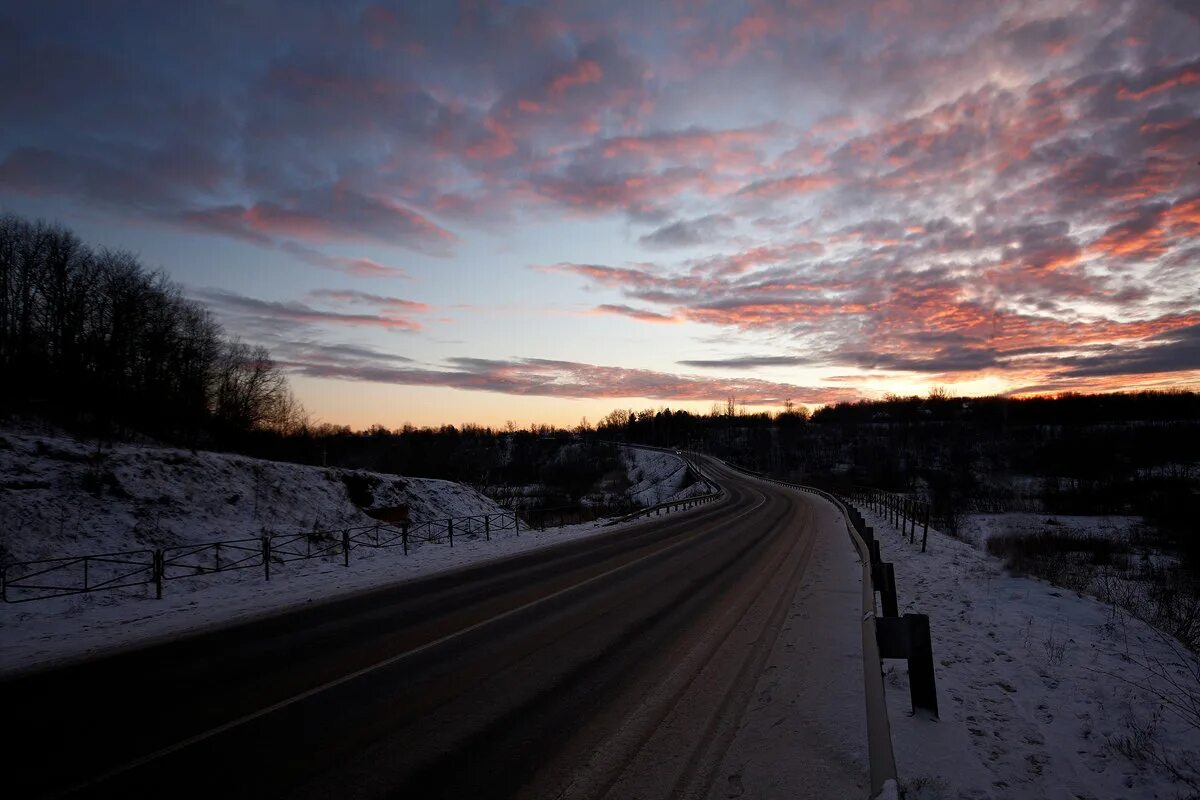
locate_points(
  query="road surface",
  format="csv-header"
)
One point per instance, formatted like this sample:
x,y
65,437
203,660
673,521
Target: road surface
x,y
707,653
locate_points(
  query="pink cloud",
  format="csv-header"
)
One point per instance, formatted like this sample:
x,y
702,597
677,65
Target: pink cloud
x,y
581,74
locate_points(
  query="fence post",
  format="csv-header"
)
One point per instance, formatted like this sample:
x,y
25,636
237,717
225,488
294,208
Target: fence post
x,y
266,557
158,573
404,536
516,524
925,533
85,573
345,547
450,530
487,527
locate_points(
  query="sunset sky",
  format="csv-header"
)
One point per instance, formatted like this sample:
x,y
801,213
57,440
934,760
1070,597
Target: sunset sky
x,y
450,212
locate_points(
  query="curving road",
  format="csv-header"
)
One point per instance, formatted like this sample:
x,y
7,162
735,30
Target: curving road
x,y
707,653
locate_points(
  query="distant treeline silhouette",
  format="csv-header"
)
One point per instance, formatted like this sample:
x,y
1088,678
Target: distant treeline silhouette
x,y
91,339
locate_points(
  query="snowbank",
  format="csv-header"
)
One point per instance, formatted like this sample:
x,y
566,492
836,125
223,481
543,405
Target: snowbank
x,y
1042,692
62,497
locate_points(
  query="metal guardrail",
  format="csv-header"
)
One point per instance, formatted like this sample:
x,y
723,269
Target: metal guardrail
x,y
669,506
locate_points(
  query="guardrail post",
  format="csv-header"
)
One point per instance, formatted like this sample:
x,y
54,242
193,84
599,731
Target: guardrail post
x,y
404,536
908,637
920,665
345,547
487,527
450,530
266,557
157,567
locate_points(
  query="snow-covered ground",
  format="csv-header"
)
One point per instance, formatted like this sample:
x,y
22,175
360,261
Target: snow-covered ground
x,y
49,510
61,497
658,477
1041,691
978,528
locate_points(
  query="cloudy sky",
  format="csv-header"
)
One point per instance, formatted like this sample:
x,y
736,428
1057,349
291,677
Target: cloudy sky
x,y
481,211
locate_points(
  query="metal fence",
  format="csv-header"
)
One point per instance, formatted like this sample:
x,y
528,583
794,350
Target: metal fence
x,y
903,511
22,581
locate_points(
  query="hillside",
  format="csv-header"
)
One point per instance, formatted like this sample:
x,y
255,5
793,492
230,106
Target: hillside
x,y
62,496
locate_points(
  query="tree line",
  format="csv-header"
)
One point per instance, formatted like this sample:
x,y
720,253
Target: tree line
x,y
93,340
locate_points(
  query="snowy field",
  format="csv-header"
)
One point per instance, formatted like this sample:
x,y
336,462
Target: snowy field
x,y
43,476
1043,693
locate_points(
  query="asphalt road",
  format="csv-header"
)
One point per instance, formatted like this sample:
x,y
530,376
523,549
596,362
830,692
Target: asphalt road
x,y
617,666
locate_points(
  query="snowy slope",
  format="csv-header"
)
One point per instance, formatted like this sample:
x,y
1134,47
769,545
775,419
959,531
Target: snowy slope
x,y
657,477
1038,687
60,496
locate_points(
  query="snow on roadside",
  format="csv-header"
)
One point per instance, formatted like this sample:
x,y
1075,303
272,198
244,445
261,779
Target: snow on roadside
x,y
40,633
659,477
978,528
1035,684
61,497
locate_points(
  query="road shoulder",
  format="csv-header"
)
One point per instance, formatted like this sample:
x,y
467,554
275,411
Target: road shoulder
x,y
804,732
